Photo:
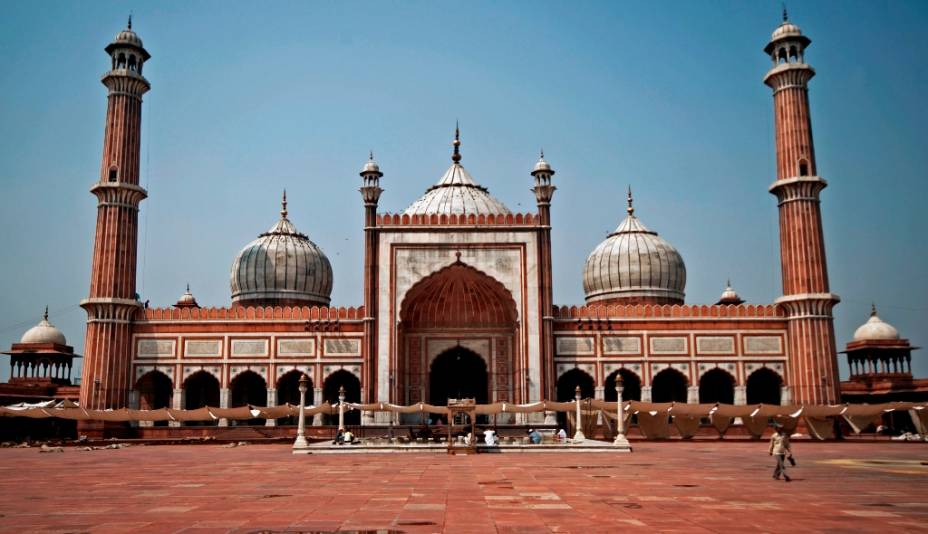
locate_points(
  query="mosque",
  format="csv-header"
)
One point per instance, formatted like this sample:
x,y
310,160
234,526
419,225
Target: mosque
x,y
457,296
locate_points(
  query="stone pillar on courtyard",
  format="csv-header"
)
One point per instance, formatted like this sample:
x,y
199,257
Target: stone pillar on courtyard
x,y
599,393
271,402
177,403
317,401
224,395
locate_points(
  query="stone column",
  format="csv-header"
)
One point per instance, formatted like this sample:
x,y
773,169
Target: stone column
x,y
646,394
177,403
317,401
224,394
692,395
578,435
741,396
300,442
620,440
599,393
271,402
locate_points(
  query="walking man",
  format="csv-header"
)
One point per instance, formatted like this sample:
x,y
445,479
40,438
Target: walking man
x,y
779,447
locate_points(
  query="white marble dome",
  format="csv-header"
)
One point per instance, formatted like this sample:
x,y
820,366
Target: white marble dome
x,y
457,193
875,329
634,265
281,268
44,332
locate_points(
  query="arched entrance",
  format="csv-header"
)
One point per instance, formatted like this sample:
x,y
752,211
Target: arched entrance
x,y
764,387
668,385
352,385
248,389
458,316
201,389
717,385
631,386
288,391
458,373
155,392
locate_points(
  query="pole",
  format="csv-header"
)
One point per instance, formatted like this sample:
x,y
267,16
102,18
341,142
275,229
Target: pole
x,y
578,435
341,408
300,442
620,439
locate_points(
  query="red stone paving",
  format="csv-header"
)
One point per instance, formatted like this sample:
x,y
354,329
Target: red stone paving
x,y
665,487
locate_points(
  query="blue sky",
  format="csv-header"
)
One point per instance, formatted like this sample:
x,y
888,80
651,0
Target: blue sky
x,y
251,98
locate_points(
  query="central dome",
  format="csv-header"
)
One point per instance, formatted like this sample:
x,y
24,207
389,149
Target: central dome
x,y
457,193
281,268
634,266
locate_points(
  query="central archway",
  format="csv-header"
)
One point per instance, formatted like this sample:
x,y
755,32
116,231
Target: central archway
x,y
458,337
458,373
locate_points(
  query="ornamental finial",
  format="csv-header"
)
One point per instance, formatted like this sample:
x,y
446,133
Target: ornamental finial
x,y
283,205
873,309
542,153
370,156
45,316
630,209
188,287
456,156
785,15
130,21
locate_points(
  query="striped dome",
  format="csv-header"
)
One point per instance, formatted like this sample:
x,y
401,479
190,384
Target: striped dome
x,y
634,265
281,268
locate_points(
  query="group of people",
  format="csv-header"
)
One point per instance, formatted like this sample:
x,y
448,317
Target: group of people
x,y
343,437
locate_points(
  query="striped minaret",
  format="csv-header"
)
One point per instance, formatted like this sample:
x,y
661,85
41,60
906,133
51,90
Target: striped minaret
x,y
113,302
813,364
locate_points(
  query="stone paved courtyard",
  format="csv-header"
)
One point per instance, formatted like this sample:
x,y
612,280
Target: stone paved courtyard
x,y
665,487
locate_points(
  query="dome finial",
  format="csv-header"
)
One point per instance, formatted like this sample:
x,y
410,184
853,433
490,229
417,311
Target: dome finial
x,y
283,206
456,156
188,287
542,153
370,156
130,20
728,283
45,315
785,15
631,208
873,309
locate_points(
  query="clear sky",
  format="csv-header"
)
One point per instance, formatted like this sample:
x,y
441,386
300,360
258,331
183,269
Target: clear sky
x,y
250,98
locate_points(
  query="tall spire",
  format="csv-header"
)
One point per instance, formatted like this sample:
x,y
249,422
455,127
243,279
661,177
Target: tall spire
x,y
283,206
630,209
130,21
456,156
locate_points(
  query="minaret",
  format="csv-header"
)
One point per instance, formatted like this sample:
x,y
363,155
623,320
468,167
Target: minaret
x,y
370,193
112,302
544,192
813,363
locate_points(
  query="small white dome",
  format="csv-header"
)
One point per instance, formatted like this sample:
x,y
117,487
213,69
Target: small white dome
x,y
44,332
787,29
541,165
875,329
370,165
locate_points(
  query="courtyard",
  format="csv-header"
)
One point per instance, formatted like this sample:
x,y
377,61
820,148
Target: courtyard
x,y
660,487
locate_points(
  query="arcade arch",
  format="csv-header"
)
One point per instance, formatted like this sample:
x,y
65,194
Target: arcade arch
x,y
763,387
716,385
668,385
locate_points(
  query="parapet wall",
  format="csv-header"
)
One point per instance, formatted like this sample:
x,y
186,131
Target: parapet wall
x,y
517,219
295,313
635,311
